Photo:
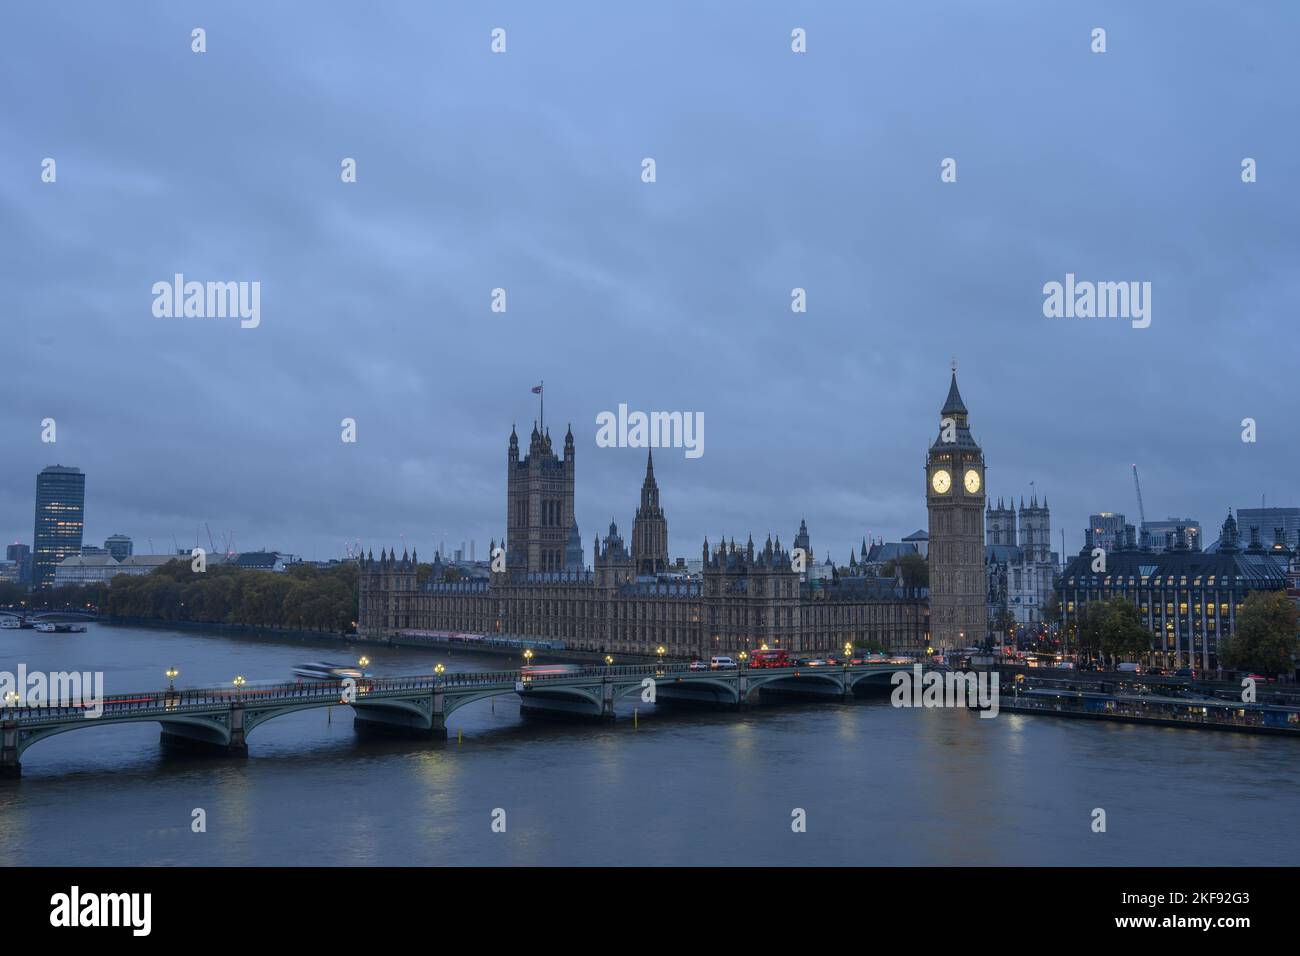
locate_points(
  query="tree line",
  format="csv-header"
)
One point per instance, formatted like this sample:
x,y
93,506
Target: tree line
x,y
304,596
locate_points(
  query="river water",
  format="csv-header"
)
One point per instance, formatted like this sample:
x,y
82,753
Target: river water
x,y
878,785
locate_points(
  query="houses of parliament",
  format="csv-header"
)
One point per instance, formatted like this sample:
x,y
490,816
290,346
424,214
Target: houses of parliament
x,y
632,600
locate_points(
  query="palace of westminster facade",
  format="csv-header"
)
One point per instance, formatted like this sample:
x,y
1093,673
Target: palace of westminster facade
x,y
632,600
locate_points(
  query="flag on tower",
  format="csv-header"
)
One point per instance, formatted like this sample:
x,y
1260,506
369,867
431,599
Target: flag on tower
x,y
537,389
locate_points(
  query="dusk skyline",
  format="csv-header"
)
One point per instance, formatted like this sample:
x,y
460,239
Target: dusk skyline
x,y
477,171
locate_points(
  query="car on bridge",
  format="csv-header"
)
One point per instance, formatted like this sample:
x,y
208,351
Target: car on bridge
x,y
721,663
530,671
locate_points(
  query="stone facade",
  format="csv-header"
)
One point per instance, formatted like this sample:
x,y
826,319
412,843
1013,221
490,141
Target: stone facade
x,y
632,601
954,472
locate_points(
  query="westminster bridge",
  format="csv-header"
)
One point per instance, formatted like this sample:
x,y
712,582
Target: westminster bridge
x,y
219,720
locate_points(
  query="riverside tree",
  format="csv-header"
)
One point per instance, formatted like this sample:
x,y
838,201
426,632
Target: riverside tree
x,y
1265,637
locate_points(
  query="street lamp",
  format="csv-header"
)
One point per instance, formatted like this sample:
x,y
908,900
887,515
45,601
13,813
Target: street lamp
x,y
172,673
438,669
239,683
364,662
609,660
528,656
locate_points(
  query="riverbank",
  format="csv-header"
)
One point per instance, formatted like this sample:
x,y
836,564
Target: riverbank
x,y
1191,712
542,650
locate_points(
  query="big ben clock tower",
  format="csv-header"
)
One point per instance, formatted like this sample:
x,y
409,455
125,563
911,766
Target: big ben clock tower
x,y
954,495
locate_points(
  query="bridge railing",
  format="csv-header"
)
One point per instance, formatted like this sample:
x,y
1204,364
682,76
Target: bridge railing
x,y
206,698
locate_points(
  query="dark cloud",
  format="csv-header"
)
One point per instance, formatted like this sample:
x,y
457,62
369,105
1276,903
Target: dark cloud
x,y
522,171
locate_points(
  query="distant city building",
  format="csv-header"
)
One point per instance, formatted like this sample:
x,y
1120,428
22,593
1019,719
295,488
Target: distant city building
x,y
1022,568
89,549
262,561
872,560
1269,521
11,572
21,556
60,517
1107,530
119,546
1188,599
920,540
1160,536
137,564
79,569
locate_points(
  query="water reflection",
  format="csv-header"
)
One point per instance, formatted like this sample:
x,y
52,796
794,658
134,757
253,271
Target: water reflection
x,y
879,785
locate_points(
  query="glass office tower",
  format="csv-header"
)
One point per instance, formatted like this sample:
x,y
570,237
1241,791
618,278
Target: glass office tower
x,y
60,516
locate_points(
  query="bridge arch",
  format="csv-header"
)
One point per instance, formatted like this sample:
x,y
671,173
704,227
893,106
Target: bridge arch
x,y
203,727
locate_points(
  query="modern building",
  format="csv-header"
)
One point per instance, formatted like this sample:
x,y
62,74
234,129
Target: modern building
x,y
119,546
1188,599
21,556
1107,529
1273,525
1159,536
633,601
955,499
60,518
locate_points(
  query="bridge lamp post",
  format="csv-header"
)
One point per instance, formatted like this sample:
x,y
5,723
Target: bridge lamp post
x,y
744,658
11,698
239,683
438,670
609,660
528,656
172,673
364,662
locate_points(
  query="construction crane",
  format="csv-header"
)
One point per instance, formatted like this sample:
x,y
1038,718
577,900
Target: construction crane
x,y
1142,511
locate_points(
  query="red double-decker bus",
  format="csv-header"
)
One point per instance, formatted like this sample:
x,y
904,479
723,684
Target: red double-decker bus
x,y
771,658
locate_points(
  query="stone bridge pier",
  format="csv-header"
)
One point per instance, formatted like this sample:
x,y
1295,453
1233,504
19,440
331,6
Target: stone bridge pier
x,y
9,765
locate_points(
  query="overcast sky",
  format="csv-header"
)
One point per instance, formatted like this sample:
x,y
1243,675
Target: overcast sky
x,y
522,170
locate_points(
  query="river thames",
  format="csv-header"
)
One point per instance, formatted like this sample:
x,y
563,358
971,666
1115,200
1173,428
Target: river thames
x,y
879,785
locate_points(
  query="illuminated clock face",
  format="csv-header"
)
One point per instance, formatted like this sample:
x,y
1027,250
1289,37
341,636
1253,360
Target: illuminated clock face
x,y
941,481
972,481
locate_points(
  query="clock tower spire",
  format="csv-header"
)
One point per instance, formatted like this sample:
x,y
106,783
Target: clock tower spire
x,y
954,473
